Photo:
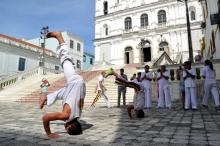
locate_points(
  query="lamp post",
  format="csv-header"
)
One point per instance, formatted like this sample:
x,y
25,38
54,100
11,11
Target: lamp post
x,y
188,31
43,32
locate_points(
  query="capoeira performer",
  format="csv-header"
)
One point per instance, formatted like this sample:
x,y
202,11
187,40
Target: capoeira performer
x,y
118,80
146,78
190,86
164,89
136,110
210,85
101,91
72,94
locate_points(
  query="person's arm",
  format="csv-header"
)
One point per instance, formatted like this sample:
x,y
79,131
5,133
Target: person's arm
x,y
150,77
126,78
51,117
190,75
185,76
165,75
143,76
159,76
203,73
129,109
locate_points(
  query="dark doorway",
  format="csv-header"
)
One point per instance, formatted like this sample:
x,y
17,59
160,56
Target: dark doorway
x,y
147,54
127,56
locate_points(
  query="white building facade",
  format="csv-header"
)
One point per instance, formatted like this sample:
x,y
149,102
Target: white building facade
x,y
17,56
211,41
136,31
75,44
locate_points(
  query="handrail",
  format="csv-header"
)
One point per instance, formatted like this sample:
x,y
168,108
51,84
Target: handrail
x,y
24,75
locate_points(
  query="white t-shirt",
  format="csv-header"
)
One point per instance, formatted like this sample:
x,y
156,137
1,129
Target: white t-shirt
x,y
163,81
101,79
210,75
189,82
146,83
138,99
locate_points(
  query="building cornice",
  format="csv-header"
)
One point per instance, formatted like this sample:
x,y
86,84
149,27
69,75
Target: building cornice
x,y
160,30
143,6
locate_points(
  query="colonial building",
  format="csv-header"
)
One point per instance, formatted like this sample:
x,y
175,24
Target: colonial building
x,y
211,43
88,60
137,31
75,43
18,56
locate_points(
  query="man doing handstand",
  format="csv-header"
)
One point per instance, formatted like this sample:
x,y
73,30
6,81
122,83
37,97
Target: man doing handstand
x,y
72,94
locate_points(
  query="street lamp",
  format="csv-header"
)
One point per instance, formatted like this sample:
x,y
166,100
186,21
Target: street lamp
x,y
188,31
43,32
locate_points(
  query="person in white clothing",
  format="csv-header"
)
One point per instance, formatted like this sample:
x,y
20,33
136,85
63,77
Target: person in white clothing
x,y
72,94
146,78
101,90
190,86
136,109
210,85
164,89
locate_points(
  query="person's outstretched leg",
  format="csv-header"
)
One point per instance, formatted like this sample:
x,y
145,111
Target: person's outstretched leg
x,y
65,58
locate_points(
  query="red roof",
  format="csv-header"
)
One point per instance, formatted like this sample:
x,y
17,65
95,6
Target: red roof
x,y
23,42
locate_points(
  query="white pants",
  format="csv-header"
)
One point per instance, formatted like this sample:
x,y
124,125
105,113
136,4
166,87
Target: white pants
x,y
147,97
74,90
190,95
103,96
164,92
211,88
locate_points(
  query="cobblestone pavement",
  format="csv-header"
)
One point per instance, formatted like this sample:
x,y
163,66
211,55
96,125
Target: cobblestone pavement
x,y
21,125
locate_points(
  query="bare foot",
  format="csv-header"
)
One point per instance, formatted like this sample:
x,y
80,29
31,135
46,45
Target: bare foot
x,y
42,101
55,34
53,135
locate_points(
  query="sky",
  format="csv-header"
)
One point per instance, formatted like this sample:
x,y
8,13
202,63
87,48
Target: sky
x,y
25,18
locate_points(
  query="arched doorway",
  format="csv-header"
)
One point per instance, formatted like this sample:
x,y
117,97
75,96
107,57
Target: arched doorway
x,y
145,51
128,58
146,54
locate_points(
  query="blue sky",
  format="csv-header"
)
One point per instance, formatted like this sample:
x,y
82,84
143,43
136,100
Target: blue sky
x,y
25,18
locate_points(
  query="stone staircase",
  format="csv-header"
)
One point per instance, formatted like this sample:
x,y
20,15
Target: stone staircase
x,y
91,78
23,88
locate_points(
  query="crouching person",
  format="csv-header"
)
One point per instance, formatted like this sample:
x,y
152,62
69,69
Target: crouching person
x,y
136,110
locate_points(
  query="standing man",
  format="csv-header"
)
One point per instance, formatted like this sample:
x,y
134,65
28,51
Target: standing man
x,y
164,89
189,75
146,78
122,89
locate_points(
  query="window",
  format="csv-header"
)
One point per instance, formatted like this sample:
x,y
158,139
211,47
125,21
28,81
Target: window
x,y
72,44
84,58
105,8
57,67
91,60
21,64
192,11
162,17
128,23
78,47
144,20
78,64
105,29
193,15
